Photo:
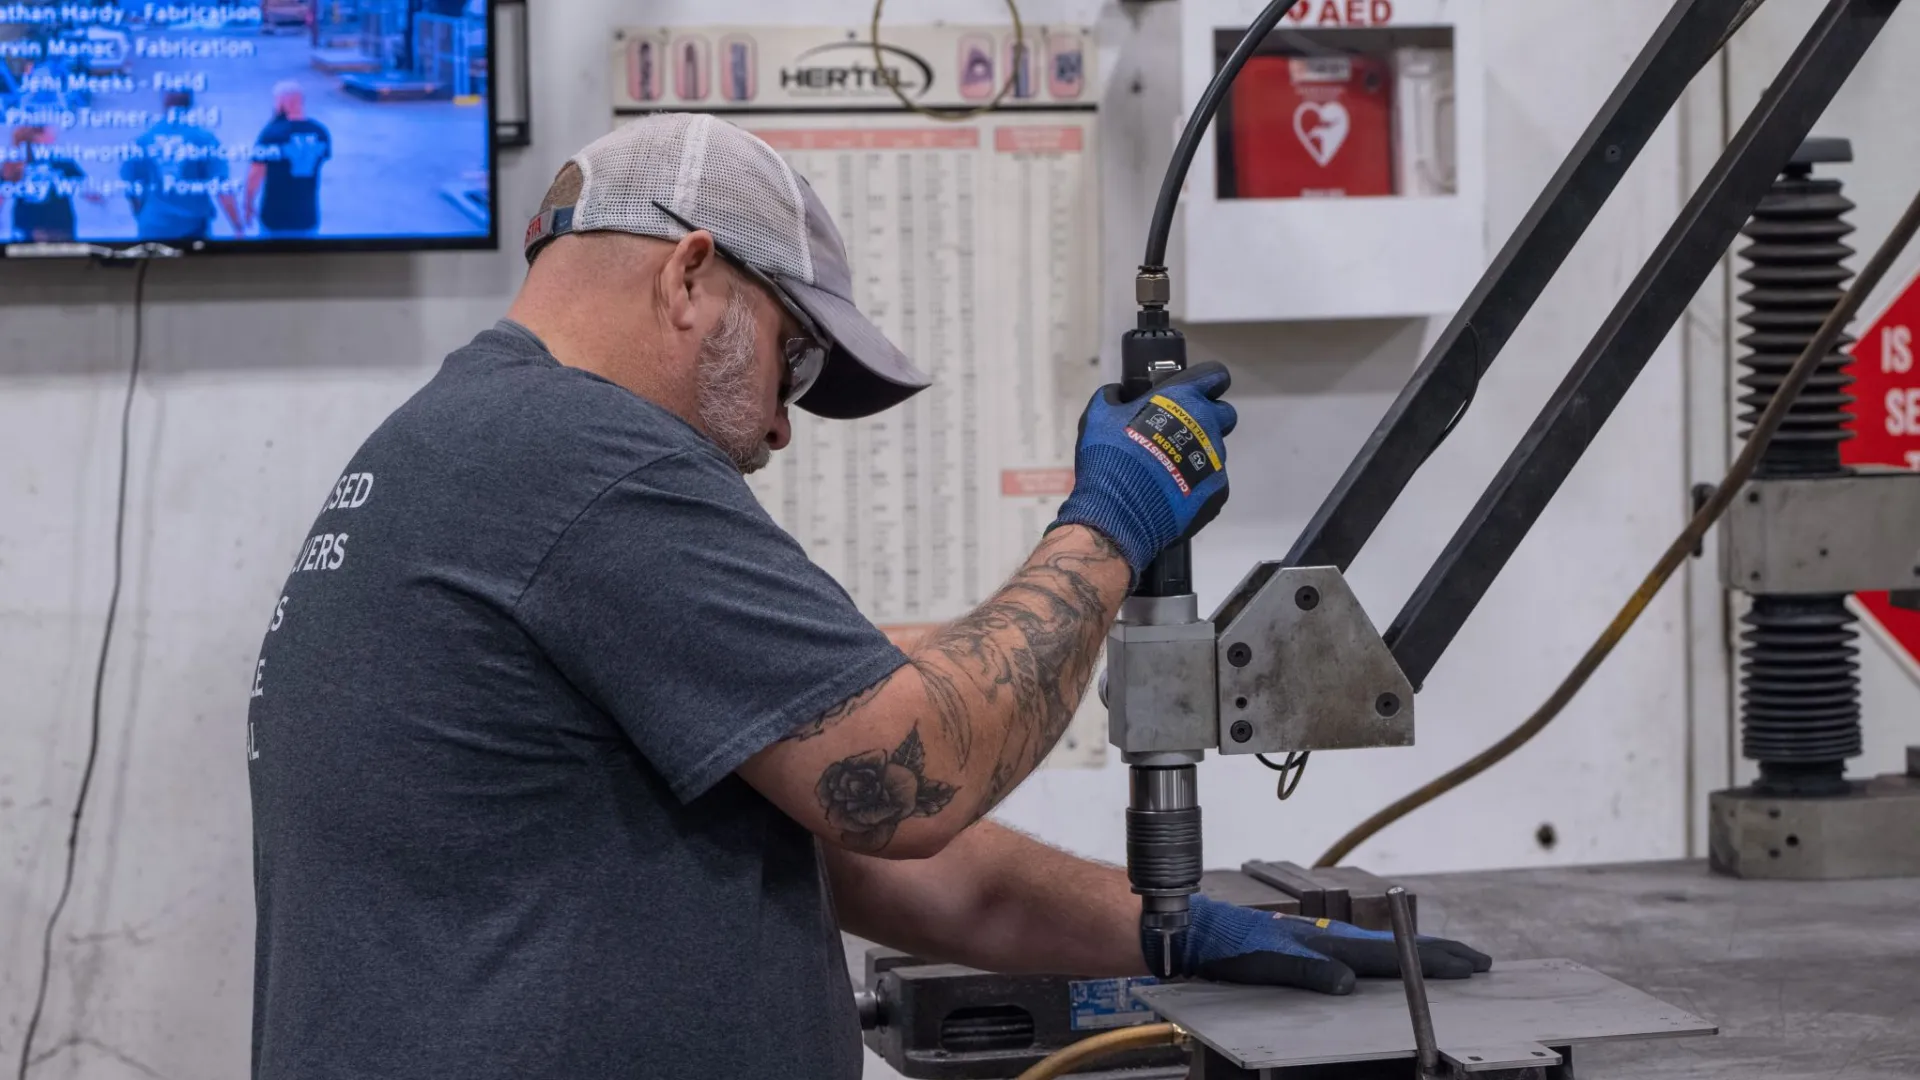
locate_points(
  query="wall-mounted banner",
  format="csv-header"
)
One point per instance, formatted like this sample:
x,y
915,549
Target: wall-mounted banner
x,y
725,68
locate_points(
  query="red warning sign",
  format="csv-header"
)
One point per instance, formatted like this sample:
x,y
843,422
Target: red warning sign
x,y
1886,427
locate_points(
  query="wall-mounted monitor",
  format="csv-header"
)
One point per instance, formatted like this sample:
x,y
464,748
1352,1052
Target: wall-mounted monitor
x,y
282,125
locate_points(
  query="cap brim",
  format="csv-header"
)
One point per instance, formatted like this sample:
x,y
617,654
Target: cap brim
x,y
865,374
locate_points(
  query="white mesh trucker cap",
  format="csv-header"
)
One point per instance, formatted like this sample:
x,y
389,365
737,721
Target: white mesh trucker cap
x,y
730,183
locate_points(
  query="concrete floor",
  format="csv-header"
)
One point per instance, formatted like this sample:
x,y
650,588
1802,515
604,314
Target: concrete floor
x,y
1805,979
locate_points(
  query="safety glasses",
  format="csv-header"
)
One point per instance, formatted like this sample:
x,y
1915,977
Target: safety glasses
x,y
805,356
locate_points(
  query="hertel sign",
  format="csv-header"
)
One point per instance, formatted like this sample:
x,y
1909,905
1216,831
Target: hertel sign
x,y
1886,429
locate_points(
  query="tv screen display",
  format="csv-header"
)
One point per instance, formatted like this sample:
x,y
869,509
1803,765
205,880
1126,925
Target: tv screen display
x,y
285,124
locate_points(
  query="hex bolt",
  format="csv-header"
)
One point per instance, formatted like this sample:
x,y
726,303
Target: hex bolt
x,y
1387,704
1239,655
1241,731
1308,598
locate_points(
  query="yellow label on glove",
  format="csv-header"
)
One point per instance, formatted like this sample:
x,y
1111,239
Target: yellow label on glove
x,y
1177,440
1186,420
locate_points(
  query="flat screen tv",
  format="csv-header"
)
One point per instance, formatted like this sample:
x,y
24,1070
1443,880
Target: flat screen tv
x,y
284,125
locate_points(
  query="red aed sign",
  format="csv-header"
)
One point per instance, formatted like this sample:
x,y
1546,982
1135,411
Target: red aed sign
x,y
1886,426
1342,12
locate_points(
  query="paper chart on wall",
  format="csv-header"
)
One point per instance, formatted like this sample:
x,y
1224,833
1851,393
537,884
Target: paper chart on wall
x,y
974,246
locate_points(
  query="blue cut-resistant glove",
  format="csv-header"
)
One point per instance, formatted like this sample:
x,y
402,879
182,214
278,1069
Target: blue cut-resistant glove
x,y
1241,945
1152,471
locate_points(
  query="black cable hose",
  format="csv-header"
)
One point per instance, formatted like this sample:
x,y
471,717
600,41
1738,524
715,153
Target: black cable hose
x,y
99,677
1162,225
1189,143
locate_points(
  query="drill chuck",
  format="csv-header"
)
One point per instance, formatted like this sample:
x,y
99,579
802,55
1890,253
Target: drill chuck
x,y
1164,858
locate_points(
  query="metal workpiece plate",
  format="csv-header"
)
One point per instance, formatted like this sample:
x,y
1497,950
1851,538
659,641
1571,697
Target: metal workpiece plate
x,y
1546,1002
1301,667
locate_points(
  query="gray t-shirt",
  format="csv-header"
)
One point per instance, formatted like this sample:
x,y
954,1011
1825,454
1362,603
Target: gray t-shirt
x,y
537,625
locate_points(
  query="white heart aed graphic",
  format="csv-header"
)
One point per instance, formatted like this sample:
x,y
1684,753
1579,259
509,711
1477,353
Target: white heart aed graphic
x,y
1327,133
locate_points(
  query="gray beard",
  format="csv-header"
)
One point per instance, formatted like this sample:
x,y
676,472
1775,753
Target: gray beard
x,y
727,401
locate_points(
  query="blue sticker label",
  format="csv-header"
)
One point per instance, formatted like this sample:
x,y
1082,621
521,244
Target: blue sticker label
x,y
1108,1003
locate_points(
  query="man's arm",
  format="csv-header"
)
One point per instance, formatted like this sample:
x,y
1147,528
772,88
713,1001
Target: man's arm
x,y
231,207
997,900
249,203
901,768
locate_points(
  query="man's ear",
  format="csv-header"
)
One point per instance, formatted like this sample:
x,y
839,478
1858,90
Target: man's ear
x,y
689,269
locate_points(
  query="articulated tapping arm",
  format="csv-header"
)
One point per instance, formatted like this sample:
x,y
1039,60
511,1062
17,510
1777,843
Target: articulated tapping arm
x,y
1290,662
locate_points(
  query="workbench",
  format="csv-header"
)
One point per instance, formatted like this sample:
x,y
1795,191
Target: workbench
x,y
1805,979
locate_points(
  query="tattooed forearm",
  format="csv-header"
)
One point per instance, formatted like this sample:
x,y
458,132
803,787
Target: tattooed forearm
x,y
987,698
867,796
949,707
1035,641
1002,780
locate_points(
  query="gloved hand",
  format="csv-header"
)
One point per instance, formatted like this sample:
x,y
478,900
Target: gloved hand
x,y
1152,471
1241,945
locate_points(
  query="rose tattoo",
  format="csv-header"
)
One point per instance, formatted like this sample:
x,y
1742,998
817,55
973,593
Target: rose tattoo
x,y
868,795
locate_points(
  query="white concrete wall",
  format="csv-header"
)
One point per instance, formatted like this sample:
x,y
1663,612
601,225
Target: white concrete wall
x,y
264,373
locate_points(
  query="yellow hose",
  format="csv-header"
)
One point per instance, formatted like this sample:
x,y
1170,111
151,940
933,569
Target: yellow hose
x,y
1087,1051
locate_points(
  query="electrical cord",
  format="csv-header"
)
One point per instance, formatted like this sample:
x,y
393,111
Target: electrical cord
x,y
1290,770
99,676
1677,553
935,112
1189,143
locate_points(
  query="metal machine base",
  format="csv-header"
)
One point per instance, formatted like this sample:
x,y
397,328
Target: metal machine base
x,y
946,1021
1513,1014
1874,831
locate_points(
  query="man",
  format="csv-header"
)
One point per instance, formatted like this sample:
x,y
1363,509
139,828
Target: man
x,y
42,183
179,174
283,184
557,740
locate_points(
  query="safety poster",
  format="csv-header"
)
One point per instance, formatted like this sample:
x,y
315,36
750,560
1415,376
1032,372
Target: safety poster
x,y
974,245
